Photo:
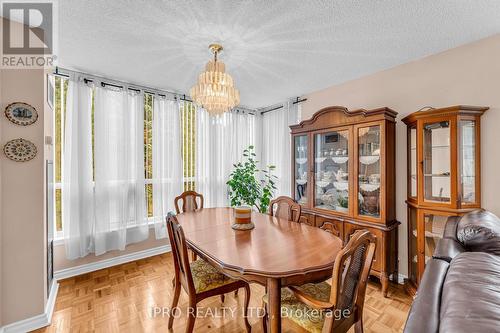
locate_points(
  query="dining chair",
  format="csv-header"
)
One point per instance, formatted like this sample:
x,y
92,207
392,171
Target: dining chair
x,y
321,307
198,278
189,202
286,208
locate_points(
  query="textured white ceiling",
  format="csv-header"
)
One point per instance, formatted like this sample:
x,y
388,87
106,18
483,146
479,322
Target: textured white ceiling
x,y
274,49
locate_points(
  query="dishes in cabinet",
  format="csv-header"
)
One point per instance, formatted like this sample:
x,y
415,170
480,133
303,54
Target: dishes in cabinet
x,y
301,160
374,178
369,187
369,159
329,198
320,159
323,183
341,152
340,159
341,186
363,178
302,179
341,176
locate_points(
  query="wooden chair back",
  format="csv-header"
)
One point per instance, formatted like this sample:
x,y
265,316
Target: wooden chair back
x,y
349,279
285,208
189,202
180,254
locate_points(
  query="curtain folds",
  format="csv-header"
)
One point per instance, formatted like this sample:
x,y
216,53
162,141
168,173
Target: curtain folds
x,y
220,142
276,144
76,172
120,198
167,161
103,183
104,203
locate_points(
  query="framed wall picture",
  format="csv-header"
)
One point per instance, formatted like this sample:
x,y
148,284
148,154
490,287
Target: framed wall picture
x,y
21,113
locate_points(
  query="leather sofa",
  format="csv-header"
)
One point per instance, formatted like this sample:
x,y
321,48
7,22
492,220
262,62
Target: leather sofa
x,y
460,288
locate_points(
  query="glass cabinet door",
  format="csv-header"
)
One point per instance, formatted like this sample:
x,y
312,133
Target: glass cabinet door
x,y
467,148
301,153
412,244
369,171
436,167
412,161
331,171
433,231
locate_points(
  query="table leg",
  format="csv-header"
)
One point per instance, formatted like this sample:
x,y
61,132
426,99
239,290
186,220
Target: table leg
x,y
274,305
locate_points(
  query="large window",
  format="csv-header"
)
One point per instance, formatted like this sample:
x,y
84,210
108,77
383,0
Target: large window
x,y
188,126
148,150
59,106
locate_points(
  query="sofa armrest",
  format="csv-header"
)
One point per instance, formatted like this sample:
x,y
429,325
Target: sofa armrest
x,y
425,310
447,249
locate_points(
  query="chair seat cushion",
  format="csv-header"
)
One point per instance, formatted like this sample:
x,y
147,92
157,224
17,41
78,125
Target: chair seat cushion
x,y
206,277
309,318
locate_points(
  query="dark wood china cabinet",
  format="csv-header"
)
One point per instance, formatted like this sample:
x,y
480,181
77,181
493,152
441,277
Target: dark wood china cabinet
x,y
343,175
444,177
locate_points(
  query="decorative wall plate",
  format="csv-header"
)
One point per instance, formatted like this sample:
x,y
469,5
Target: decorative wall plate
x,y
20,150
21,113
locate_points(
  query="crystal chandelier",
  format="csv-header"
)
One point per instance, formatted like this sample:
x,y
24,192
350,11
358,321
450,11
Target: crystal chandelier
x,y
214,90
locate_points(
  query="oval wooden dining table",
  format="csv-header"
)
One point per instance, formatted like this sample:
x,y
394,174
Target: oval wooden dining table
x,y
276,253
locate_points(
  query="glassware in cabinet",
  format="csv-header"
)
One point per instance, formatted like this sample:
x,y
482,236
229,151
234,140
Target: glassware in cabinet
x,y
331,171
301,168
369,171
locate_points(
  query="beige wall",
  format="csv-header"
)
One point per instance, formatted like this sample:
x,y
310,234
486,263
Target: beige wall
x,y
22,194
1,224
60,261
469,74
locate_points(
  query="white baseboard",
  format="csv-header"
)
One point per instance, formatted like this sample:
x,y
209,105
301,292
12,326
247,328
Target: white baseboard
x,y
87,268
45,318
38,321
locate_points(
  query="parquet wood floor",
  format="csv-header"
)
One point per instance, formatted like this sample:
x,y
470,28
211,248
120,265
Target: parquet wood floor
x,y
121,299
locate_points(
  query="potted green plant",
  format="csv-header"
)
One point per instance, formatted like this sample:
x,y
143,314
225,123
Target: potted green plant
x,y
249,185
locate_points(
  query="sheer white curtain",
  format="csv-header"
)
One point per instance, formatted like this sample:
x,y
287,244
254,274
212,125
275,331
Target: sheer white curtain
x,y
77,178
120,200
167,160
276,144
220,142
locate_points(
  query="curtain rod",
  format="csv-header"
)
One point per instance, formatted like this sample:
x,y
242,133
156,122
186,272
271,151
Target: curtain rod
x,y
104,84
297,101
138,88
121,85
273,109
